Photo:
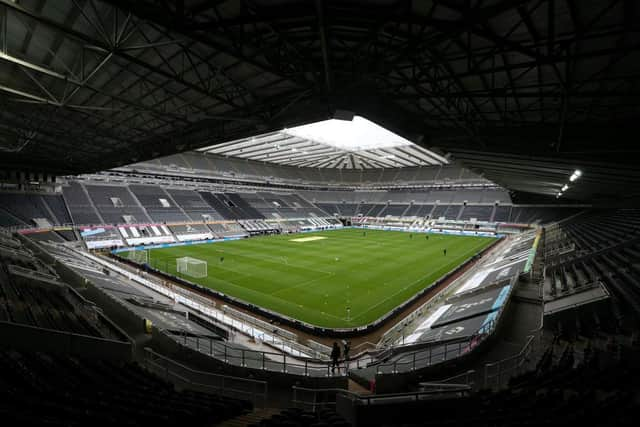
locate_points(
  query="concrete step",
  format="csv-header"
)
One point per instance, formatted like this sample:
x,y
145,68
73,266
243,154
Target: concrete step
x,y
250,418
356,387
529,299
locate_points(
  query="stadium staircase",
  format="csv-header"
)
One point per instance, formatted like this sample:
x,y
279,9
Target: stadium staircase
x,y
254,417
297,417
48,210
91,203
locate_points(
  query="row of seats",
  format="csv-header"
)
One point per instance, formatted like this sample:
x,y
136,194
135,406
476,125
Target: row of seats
x,y
29,302
218,166
20,209
461,212
565,388
54,236
44,389
90,203
255,226
599,246
443,197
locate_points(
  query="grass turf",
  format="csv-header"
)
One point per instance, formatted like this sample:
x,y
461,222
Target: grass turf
x,y
316,280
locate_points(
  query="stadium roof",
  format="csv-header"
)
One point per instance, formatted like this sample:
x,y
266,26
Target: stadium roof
x,y
523,91
333,143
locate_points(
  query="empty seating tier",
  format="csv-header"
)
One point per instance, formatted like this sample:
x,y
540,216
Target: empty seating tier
x,y
116,204
159,205
43,389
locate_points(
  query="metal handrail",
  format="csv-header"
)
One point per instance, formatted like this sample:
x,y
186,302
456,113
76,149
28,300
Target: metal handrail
x,y
448,382
517,360
223,386
532,341
475,339
369,399
439,297
185,298
258,359
431,357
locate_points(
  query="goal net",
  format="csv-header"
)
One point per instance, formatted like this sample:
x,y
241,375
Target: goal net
x,y
140,257
193,267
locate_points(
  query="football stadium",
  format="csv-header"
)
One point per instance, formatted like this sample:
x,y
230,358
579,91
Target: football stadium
x,y
319,213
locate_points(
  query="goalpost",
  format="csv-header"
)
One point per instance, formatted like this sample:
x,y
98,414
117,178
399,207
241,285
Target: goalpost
x,y
193,267
140,256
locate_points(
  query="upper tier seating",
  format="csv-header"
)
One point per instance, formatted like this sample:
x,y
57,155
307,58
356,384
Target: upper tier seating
x,y
228,167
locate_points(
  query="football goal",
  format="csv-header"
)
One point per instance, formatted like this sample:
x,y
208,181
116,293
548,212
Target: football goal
x,y
193,267
140,257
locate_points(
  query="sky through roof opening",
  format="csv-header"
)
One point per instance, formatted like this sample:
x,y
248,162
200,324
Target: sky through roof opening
x,y
356,135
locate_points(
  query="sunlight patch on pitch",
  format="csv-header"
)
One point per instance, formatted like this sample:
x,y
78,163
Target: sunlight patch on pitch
x,y
307,239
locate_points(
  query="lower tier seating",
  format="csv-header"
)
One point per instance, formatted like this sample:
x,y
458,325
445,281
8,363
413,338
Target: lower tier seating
x,y
44,389
562,390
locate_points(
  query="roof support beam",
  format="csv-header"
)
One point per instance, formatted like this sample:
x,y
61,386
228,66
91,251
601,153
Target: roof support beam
x,y
322,31
84,38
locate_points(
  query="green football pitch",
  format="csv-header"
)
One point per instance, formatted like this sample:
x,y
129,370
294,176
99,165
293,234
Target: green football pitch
x,y
334,279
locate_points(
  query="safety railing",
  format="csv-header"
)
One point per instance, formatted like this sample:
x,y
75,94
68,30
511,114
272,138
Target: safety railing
x,y
428,354
461,380
425,357
497,374
313,399
262,360
242,388
397,333
207,308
